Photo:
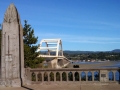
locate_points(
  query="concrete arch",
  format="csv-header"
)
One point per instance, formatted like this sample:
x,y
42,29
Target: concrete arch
x,y
76,75
45,76
53,51
51,75
83,76
96,76
89,75
39,76
51,46
70,76
64,76
111,76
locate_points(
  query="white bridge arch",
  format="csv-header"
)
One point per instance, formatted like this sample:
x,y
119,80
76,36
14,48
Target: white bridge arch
x,y
52,48
51,45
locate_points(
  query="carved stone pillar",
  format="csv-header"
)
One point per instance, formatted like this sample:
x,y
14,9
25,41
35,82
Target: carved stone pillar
x,y
12,51
48,76
104,76
67,76
92,75
61,76
79,76
86,75
30,76
114,75
42,73
73,76
36,76
54,76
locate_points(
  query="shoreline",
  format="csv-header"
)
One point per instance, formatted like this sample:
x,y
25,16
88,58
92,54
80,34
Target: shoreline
x,y
97,65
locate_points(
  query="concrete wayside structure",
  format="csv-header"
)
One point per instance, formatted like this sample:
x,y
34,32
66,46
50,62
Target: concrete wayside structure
x,y
12,58
13,74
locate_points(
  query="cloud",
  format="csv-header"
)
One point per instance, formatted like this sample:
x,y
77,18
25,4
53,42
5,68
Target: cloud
x,y
81,39
75,24
103,23
95,42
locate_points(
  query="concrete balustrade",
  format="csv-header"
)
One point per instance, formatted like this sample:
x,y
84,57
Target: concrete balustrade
x,y
73,75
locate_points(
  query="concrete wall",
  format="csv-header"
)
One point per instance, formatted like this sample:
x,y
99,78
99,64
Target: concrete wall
x,y
71,75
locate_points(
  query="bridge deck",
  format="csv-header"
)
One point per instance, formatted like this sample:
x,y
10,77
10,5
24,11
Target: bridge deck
x,y
51,56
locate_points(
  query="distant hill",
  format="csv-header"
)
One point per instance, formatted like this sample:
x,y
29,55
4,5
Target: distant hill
x,y
78,52
116,50
84,52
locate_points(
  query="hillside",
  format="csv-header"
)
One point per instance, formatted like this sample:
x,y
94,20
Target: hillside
x,y
80,52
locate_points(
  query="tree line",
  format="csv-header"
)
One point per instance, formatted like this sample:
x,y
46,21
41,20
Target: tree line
x,y
94,56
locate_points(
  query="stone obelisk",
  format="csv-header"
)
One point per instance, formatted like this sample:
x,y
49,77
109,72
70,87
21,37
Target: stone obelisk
x,y
12,58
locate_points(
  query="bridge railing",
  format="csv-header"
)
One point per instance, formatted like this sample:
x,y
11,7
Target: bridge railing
x,y
106,75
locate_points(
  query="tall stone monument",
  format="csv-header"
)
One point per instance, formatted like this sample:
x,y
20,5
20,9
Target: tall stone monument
x,y
12,58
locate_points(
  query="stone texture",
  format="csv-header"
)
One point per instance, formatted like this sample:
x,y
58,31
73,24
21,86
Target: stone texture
x,y
12,58
104,76
65,87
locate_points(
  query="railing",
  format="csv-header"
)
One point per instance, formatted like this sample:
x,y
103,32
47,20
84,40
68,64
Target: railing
x,y
106,75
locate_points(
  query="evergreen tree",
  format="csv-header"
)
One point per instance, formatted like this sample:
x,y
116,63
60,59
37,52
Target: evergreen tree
x,y
30,54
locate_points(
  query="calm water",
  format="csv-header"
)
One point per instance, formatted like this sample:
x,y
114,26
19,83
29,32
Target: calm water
x,y
112,66
117,65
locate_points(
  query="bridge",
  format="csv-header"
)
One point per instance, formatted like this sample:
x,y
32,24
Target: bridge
x,y
13,74
52,48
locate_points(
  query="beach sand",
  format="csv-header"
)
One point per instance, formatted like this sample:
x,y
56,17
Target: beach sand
x,y
98,65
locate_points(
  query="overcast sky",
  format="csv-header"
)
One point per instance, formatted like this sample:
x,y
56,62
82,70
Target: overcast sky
x,y
87,25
